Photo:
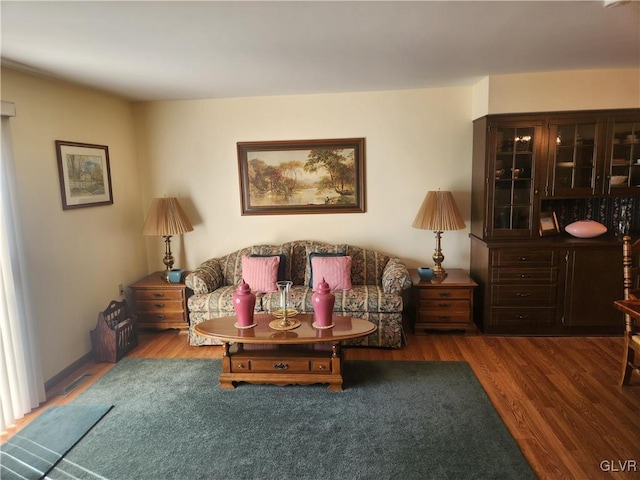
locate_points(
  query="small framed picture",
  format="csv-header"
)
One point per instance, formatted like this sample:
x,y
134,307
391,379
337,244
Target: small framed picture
x,y
548,224
85,175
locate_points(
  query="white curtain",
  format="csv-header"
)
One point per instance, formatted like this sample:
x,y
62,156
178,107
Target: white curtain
x,y
21,384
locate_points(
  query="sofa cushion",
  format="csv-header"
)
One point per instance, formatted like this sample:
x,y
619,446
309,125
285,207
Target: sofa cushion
x,y
281,265
261,273
355,302
313,247
218,303
335,270
314,255
367,265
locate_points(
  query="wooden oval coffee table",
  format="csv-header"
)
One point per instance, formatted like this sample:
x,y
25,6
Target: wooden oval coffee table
x,y
301,356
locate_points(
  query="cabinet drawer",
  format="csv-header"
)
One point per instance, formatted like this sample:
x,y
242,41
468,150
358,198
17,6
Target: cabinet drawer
x,y
535,276
444,293
171,317
523,295
444,306
158,294
160,306
522,317
523,257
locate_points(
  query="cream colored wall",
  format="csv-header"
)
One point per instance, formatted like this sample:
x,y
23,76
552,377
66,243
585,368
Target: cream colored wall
x,y
551,91
76,258
416,140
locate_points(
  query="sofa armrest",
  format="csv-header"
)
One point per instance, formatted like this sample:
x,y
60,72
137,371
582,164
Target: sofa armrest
x,y
206,278
395,277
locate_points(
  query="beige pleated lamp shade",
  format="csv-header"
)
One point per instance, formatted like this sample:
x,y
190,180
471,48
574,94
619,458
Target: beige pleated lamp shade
x,y
439,213
166,217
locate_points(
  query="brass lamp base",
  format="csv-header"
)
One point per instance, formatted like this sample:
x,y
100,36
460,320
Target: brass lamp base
x,y
438,271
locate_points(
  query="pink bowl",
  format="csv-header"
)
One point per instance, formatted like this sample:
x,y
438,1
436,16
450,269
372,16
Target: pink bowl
x,y
585,229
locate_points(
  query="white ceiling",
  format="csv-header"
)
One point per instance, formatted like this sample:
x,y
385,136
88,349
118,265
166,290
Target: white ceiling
x,y
187,50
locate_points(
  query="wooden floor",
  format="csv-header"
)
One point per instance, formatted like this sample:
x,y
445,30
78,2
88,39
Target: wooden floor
x,y
559,397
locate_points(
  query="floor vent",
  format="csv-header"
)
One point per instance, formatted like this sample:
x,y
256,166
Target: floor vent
x,y
73,385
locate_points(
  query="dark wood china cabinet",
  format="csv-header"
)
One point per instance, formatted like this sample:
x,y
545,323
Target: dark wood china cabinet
x,y
579,166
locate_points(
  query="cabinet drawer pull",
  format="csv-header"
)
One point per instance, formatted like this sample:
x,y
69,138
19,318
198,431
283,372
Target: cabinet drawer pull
x,y
158,294
523,259
280,366
524,275
444,294
521,317
444,317
523,294
444,305
158,305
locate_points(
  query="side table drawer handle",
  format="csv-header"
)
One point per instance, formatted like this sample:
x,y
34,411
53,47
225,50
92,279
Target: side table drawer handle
x,y
159,317
444,305
280,366
159,305
158,294
445,294
523,294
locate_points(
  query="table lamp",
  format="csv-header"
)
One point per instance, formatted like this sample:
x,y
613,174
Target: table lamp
x,y
166,218
439,213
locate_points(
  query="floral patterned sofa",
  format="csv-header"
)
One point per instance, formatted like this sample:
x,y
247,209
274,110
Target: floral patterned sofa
x,y
378,281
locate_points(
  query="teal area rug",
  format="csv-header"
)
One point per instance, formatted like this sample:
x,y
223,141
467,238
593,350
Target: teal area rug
x,y
394,420
38,447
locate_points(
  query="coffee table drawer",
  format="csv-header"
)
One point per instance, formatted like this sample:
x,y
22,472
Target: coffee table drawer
x,y
271,365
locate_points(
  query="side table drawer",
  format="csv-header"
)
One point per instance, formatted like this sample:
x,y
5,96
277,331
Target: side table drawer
x,y
173,317
160,306
444,317
159,295
445,293
445,305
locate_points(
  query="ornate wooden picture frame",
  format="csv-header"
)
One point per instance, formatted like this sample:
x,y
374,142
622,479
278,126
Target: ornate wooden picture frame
x,y
302,176
85,174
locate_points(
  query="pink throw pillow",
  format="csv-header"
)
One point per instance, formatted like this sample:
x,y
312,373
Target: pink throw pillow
x,y
261,273
336,271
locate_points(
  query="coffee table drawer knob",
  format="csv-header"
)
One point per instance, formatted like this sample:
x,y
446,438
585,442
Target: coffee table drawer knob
x,y
280,366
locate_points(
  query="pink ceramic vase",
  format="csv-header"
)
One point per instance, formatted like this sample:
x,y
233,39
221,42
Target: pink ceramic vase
x,y
322,301
243,303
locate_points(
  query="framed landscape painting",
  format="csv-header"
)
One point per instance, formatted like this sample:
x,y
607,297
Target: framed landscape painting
x,y
85,175
302,176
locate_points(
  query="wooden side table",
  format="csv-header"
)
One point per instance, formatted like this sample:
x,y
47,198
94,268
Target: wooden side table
x,y
445,305
160,305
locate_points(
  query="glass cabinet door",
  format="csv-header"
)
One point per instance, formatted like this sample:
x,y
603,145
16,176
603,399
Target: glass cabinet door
x,y
573,150
623,169
512,178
